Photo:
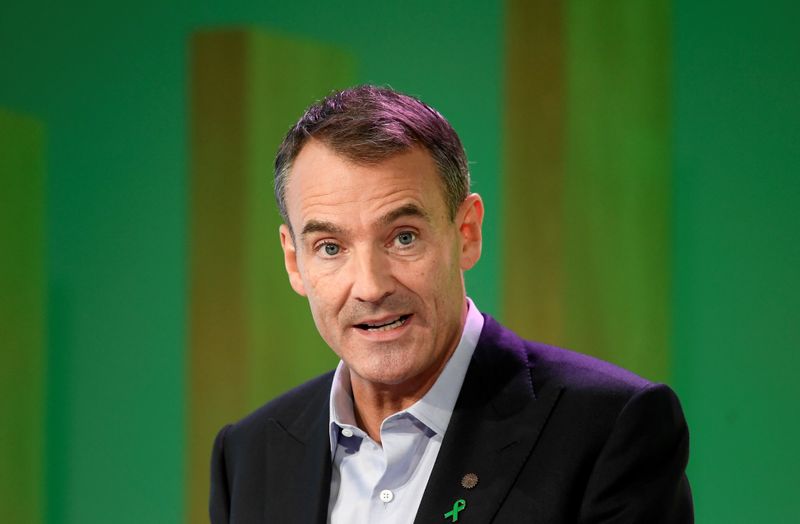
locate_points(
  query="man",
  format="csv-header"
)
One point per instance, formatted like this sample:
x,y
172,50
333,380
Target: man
x,y
436,413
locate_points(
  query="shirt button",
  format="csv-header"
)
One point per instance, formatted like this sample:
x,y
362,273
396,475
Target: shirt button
x,y
387,495
347,432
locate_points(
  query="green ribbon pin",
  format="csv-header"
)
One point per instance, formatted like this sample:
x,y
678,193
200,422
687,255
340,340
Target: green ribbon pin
x,y
458,506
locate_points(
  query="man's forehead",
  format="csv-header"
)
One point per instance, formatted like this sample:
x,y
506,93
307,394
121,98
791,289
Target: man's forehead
x,y
407,210
318,157
323,184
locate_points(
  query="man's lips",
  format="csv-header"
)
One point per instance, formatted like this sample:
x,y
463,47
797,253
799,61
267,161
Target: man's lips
x,y
383,324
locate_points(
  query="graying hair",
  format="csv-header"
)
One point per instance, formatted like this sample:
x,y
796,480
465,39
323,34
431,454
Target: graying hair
x,y
368,124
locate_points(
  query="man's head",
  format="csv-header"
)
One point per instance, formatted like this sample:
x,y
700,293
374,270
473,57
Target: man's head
x,y
368,124
379,227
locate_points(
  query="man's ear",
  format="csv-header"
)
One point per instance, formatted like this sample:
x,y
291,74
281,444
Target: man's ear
x,y
469,220
290,260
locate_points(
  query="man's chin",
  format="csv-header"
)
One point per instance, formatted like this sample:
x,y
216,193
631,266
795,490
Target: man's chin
x,y
383,375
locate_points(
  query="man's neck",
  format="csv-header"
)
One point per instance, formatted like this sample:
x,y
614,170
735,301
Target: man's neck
x,y
371,410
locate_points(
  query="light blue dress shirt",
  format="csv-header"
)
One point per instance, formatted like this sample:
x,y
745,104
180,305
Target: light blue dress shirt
x,y
384,483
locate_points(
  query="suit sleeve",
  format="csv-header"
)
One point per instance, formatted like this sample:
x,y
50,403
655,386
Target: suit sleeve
x,y
639,475
219,499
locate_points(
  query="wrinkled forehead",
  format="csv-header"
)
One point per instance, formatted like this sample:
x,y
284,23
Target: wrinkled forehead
x,y
324,184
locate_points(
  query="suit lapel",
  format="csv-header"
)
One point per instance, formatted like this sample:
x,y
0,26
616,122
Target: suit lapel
x,y
494,427
299,465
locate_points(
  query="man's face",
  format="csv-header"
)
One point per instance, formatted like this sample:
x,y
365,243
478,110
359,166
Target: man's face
x,y
381,262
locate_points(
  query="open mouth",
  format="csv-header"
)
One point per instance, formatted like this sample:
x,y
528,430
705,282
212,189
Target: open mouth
x,y
385,326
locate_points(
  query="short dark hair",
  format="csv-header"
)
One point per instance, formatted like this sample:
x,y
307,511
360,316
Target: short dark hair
x,y
368,124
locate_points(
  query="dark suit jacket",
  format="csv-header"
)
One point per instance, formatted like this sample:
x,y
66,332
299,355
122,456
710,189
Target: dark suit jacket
x,y
553,436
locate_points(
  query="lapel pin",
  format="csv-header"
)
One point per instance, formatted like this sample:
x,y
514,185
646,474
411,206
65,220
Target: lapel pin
x,y
458,507
469,481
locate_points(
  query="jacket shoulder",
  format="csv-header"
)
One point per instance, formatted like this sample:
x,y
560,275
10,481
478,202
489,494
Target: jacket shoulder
x,y
574,372
578,371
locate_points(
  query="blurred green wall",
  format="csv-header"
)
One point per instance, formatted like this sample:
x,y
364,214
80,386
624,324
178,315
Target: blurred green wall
x,y
736,296
109,82
110,86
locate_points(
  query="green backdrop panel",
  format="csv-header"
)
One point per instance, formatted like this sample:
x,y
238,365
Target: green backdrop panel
x,y
22,318
737,254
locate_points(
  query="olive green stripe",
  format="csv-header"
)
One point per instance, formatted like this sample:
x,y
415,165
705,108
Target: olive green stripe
x,y
250,336
22,318
533,243
617,190
587,243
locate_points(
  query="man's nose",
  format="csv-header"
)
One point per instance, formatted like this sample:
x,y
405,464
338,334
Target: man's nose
x,y
372,278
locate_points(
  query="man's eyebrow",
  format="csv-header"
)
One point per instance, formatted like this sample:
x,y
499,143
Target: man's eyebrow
x,y
407,210
320,226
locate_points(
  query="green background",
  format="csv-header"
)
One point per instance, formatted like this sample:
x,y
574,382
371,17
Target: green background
x,y
104,93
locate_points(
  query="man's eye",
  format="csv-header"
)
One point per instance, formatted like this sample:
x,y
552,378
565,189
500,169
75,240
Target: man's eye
x,y
405,238
331,249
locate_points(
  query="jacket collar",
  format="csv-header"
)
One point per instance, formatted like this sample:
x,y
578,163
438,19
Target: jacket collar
x,y
495,425
298,476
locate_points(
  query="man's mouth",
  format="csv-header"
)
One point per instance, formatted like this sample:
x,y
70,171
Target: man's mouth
x,y
384,326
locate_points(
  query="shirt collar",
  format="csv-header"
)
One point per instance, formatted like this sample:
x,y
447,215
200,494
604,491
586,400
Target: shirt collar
x,y
435,408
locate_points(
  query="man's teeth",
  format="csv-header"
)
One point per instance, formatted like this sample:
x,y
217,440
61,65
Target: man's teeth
x,y
386,327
